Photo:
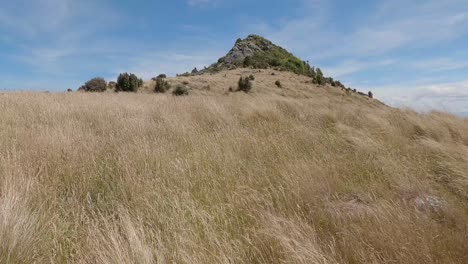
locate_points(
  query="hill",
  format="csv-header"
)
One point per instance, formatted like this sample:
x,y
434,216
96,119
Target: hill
x,y
299,172
308,176
259,53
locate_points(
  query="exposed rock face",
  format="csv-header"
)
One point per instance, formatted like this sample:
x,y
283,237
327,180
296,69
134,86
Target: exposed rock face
x,y
248,47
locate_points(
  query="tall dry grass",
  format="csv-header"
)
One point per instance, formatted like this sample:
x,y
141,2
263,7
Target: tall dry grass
x,y
135,178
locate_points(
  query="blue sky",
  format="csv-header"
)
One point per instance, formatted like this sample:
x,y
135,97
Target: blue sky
x,y
409,53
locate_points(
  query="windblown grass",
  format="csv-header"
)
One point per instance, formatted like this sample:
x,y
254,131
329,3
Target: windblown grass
x,y
137,178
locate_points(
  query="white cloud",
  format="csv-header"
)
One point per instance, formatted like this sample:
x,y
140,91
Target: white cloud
x,y
148,65
351,66
450,97
438,64
33,17
385,31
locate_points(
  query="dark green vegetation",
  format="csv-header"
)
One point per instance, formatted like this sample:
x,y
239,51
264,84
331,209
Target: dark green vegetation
x,y
128,82
97,84
180,90
161,85
278,84
244,85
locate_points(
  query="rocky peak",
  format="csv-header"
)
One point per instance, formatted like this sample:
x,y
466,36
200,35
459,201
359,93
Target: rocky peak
x,y
248,47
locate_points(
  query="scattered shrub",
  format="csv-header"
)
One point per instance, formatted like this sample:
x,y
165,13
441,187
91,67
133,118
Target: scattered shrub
x,y
231,89
162,76
97,84
187,74
180,90
185,82
111,85
318,78
371,95
278,83
244,85
128,82
251,77
161,85
195,70
69,90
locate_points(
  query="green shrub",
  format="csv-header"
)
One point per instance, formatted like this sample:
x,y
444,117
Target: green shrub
x,y
128,82
161,85
244,85
251,77
97,84
159,76
186,74
180,90
319,79
278,83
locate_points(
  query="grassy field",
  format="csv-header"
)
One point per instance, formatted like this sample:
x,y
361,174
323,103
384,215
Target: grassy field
x,y
279,176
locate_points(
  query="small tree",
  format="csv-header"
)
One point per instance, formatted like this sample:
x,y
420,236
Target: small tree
x,y
97,84
244,85
128,82
195,70
161,85
319,79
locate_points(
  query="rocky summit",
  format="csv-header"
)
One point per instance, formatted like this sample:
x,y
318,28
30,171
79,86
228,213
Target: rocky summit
x,y
244,48
257,52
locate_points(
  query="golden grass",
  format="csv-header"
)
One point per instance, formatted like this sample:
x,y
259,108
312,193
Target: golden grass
x,y
313,176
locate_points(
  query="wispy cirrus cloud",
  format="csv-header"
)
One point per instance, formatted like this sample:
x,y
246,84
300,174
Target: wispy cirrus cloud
x,y
450,97
352,66
203,3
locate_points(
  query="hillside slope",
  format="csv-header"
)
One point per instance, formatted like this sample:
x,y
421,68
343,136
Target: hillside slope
x,y
299,174
293,85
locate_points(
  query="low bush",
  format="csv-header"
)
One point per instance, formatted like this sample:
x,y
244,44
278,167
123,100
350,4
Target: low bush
x,y
161,85
278,83
180,90
128,82
244,85
97,84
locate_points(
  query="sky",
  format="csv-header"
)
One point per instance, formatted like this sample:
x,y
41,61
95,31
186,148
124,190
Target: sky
x,y
408,53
